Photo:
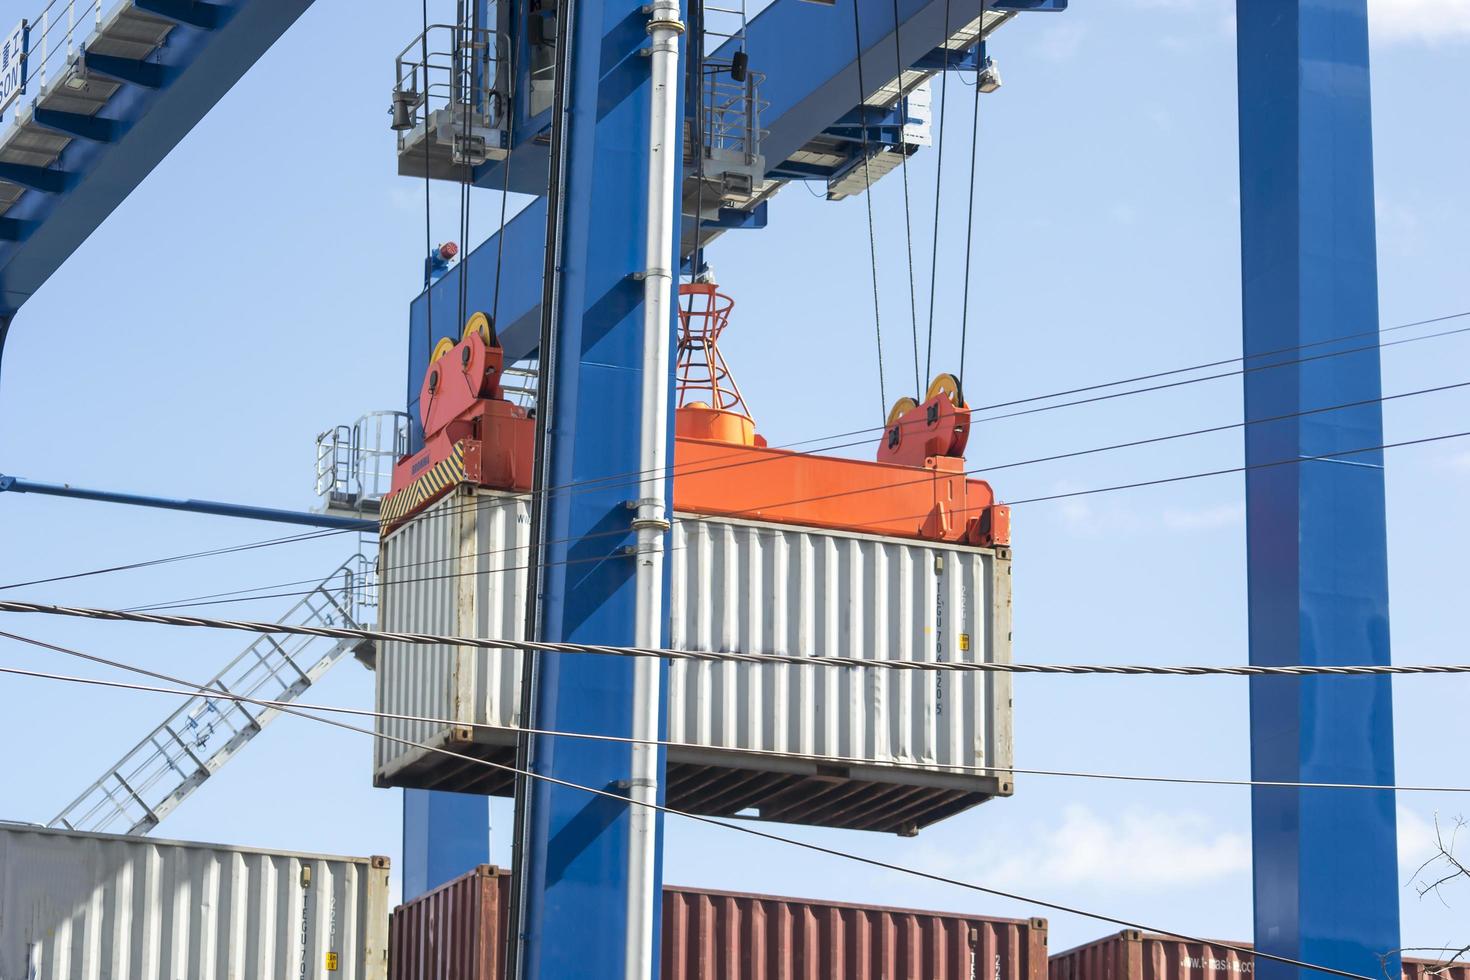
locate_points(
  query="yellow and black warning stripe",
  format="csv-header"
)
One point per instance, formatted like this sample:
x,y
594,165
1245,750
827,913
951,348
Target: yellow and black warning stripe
x,y
441,476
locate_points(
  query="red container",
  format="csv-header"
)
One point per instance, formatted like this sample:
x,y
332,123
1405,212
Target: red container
x,y
457,932
1131,955
710,935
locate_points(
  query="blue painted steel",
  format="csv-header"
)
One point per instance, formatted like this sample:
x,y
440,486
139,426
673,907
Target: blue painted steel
x,y
575,866
519,310
14,484
161,103
444,835
1326,887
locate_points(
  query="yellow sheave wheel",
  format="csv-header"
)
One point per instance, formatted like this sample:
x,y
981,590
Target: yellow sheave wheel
x,y
479,323
444,346
899,407
949,386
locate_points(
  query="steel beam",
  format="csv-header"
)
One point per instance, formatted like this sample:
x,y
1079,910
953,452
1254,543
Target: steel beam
x,y
1326,886
13,484
444,835
204,56
575,849
518,267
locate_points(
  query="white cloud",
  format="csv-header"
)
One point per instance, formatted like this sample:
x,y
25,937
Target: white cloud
x,y
1426,21
1205,518
1416,840
1134,849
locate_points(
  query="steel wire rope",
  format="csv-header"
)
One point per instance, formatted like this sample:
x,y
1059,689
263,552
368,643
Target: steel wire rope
x,y
269,542
675,469
636,478
467,169
908,225
242,595
428,209
503,643
299,707
970,226
938,188
524,773
862,113
509,112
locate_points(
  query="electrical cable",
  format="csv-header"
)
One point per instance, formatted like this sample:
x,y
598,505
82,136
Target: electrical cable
x,y
908,222
920,666
770,835
212,552
301,706
746,462
298,707
226,596
862,111
938,195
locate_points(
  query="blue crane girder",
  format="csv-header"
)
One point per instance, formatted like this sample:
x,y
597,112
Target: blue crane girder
x,y
158,100
1325,870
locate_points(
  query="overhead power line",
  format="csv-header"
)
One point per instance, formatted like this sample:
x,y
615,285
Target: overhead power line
x,y
780,838
301,706
244,595
673,467
926,666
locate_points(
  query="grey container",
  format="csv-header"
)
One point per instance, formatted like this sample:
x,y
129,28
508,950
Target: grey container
x,y
889,750
77,906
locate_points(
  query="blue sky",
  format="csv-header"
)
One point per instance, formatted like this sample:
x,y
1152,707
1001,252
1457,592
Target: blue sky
x,y
255,289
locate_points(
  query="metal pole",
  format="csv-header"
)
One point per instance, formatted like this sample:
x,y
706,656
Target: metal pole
x,y
652,523
1326,884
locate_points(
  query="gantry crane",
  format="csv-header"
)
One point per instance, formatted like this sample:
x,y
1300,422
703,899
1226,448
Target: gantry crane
x,y
573,129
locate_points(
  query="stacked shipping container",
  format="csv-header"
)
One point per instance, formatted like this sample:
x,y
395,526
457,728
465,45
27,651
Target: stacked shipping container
x,y
1132,955
457,933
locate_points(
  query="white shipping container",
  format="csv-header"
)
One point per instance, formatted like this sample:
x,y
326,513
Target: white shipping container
x,y
831,746
77,906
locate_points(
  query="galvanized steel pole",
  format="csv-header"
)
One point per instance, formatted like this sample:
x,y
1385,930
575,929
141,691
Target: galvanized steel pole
x,y
1326,885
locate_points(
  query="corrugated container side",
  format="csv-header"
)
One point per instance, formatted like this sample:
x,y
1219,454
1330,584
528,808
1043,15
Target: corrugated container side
x,y
738,729
455,931
98,907
713,935
1132,955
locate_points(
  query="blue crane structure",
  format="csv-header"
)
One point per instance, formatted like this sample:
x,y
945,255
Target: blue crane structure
x,y
566,276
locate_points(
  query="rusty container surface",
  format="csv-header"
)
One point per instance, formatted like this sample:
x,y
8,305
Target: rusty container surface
x,y
457,932
710,935
1132,955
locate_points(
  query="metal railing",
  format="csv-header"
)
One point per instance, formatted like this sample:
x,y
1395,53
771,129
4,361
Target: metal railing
x,y
732,117
194,742
452,69
354,464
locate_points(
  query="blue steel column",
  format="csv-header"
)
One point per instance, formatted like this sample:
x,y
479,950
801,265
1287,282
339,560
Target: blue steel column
x,y
576,849
1325,874
444,835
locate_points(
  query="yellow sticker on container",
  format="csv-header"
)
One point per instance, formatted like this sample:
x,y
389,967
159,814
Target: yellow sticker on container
x,y
332,962
965,642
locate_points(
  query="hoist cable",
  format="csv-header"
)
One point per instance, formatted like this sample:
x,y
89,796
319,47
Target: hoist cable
x,y
970,226
908,221
938,199
428,213
862,112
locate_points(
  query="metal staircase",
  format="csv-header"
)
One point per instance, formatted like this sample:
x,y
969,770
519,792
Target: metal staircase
x,y
194,742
